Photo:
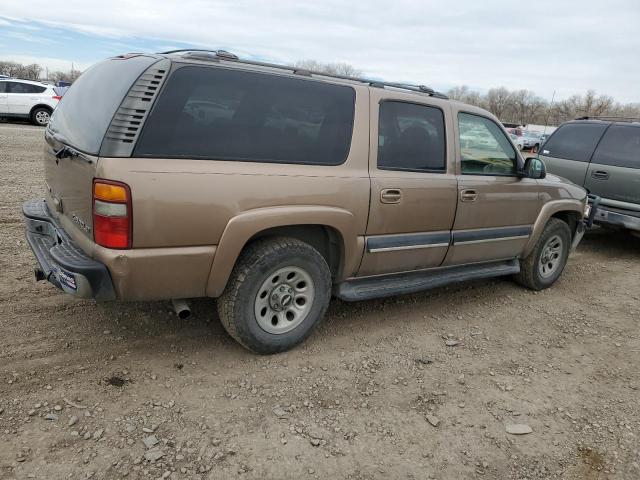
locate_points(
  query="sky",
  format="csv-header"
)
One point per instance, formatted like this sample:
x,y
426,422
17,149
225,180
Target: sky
x,y
566,46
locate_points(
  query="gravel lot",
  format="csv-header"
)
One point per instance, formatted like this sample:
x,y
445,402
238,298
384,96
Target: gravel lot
x,y
416,387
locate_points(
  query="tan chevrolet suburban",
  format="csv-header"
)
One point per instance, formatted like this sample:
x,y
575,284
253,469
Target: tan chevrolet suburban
x,y
196,174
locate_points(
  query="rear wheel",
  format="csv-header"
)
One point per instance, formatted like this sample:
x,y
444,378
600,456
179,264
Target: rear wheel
x,y
277,295
41,116
545,263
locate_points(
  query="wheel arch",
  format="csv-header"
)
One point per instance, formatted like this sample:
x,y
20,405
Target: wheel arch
x,y
40,105
328,229
569,211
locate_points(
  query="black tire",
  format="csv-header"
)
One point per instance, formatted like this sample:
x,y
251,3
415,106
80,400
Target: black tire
x,y
258,261
532,269
40,116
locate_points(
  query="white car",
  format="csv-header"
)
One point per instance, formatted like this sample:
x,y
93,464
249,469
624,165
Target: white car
x,y
27,99
517,140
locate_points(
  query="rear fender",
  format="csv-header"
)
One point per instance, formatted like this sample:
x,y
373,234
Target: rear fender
x,y
243,227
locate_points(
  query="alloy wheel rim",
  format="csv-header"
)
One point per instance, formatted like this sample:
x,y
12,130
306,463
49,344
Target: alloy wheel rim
x,y
284,300
42,117
551,256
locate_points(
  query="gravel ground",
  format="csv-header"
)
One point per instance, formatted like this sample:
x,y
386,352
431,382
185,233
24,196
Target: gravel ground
x,y
415,387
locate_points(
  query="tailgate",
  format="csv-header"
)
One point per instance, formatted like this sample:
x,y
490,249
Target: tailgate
x,y
69,181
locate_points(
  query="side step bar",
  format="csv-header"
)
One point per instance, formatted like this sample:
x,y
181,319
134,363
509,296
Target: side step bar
x,y
411,282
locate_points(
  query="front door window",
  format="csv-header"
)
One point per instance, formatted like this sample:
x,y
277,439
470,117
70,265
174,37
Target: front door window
x,y
484,148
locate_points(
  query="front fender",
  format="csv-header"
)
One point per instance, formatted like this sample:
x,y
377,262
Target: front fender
x,y
547,211
244,226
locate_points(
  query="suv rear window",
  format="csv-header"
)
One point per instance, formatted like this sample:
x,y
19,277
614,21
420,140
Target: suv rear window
x,y
620,147
214,113
84,113
574,141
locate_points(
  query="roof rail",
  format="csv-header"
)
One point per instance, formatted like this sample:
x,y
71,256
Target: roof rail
x,y
215,55
610,118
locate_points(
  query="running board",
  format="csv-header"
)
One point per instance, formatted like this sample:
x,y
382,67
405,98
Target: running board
x,y
411,282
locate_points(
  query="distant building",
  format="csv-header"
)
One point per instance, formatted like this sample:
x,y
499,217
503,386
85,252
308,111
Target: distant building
x,y
540,129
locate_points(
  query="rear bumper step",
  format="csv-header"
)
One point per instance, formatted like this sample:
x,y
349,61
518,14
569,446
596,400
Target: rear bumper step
x,y
412,282
60,260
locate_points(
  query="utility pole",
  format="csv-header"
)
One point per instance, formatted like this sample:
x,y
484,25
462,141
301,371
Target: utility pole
x,y
546,122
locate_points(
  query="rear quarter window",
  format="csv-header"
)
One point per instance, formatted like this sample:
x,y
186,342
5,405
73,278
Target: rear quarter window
x,y
574,141
619,147
220,114
17,87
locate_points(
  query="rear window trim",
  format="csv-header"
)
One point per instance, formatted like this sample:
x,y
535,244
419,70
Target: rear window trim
x,y
443,170
176,65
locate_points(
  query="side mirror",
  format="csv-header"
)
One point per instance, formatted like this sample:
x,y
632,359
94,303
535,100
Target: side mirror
x,y
534,168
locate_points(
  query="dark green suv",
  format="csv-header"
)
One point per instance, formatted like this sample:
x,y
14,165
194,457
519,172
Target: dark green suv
x,y
603,156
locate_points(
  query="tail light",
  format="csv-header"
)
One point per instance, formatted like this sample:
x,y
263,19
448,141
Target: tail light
x,y
112,214
57,97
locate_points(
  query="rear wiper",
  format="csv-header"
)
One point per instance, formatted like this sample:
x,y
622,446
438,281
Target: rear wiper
x,y
65,152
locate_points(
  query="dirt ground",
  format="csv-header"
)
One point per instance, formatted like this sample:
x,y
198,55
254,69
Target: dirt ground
x,y
376,393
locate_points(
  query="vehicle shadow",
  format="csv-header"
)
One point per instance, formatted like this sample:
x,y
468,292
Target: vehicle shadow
x,y
611,243
150,325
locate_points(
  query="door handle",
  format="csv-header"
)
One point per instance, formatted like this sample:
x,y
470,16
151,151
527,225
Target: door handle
x,y
468,195
600,174
390,195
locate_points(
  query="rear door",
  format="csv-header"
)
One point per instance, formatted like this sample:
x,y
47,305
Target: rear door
x,y
413,184
568,151
79,124
4,105
614,172
21,97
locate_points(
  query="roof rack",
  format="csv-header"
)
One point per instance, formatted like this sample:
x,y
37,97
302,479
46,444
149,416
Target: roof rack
x,y
611,118
215,55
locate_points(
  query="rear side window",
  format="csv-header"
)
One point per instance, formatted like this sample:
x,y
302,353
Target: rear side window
x,y
3,87
17,87
620,147
411,137
85,111
213,113
574,141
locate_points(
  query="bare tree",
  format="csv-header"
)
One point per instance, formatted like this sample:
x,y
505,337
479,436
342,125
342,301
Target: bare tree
x,y
343,69
458,93
70,76
498,101
466,95
525,107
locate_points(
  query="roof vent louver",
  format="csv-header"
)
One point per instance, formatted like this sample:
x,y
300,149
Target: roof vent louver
x,y
126,123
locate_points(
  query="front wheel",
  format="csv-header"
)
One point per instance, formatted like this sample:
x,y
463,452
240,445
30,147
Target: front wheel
x,y
545,263
277,295
41,116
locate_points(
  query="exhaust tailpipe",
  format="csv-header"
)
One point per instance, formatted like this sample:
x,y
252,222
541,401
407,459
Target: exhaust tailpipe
x,y
181,307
